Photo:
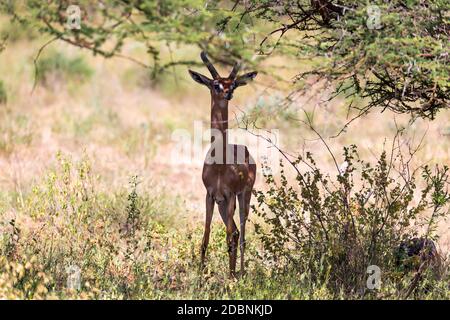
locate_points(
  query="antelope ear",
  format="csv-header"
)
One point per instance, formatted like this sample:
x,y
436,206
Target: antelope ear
x,y
245,78
200,78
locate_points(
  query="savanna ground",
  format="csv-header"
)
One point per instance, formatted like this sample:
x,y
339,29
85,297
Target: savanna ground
x,y
87,178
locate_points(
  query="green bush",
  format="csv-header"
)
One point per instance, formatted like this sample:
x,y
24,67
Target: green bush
x,y
333,229
56,66
3,94
16,31
117,240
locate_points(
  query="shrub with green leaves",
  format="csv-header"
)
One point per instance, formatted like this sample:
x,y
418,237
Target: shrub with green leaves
x,y
3,94
74,223
334,228
16,31
23,280
56,66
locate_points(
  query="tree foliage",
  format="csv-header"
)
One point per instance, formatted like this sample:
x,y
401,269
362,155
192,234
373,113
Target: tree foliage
x,y
393,54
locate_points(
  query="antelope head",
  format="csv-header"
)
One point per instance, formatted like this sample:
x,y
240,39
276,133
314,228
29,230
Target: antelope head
x,y
222,88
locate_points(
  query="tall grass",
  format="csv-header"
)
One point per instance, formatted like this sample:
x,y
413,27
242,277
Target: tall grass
x,y
126,248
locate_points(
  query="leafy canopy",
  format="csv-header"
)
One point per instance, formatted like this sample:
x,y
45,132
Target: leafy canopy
x,y
392,54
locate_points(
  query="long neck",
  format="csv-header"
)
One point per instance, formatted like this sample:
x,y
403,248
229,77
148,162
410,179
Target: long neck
x,y
219,127
219,119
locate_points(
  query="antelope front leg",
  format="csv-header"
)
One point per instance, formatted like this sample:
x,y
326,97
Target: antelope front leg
x,y
231,236
242,229
244,208
209,213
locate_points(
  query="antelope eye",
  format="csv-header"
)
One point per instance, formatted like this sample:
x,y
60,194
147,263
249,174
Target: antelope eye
x,y
218,87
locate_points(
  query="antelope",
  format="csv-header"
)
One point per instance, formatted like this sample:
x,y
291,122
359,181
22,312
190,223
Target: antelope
x,y
229,170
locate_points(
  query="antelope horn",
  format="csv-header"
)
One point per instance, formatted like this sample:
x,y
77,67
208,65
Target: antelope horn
x,y
209,65
235,70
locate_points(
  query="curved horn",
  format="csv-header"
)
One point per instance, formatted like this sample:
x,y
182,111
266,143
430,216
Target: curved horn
x,y
235,70
209,65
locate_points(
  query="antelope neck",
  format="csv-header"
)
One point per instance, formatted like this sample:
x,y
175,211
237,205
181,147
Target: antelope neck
x,y
219,118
